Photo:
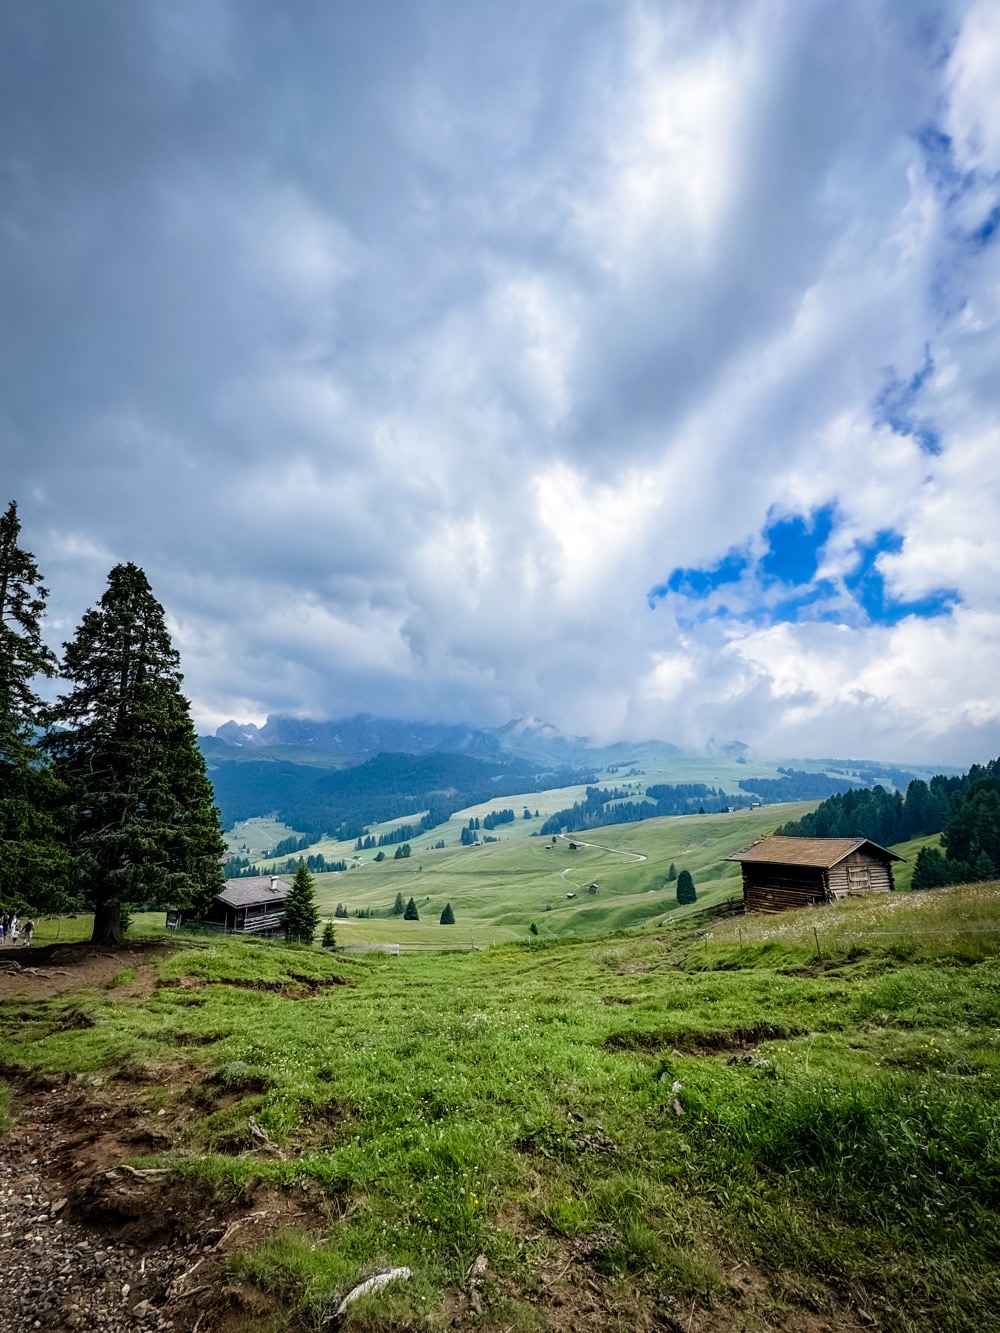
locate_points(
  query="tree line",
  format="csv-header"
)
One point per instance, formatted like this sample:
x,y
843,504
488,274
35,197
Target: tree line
x,y
602,806
104,797
796,785
964,809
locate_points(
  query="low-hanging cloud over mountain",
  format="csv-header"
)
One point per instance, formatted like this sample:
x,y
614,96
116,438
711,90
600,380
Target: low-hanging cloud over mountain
x,y
629,363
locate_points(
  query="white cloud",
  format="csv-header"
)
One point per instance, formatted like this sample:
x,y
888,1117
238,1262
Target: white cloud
x,y
409,355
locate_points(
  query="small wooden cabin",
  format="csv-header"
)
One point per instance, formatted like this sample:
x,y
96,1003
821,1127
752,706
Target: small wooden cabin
x,y
782,873
251,906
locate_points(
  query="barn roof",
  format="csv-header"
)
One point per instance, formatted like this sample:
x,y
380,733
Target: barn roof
x,y
252,890
820,852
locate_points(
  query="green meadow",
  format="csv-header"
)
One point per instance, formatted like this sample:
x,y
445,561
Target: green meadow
x,y
498,889
681,1128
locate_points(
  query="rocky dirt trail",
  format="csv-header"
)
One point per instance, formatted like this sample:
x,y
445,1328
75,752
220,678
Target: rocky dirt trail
x,y
89,1242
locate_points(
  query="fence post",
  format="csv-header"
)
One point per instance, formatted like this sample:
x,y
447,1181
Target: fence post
x,y
816,937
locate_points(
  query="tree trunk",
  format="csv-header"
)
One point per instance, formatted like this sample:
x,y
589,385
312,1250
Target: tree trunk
x,y
107,924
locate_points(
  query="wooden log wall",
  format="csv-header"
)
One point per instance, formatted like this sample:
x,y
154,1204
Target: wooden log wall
x,y
778,888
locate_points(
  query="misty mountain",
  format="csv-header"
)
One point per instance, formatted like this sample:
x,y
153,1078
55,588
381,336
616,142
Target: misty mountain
x,y
362,736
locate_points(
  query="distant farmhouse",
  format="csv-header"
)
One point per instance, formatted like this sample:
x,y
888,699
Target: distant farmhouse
x,y
252,906
782,873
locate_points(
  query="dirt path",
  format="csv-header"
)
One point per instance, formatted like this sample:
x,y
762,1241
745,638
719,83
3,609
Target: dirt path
x,y
566,837
616,851
58,969
89,1242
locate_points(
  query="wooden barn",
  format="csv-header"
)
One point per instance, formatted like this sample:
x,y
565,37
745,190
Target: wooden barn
x,y
250,906
781,873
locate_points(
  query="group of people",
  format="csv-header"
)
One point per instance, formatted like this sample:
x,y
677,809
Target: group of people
x,y
10,928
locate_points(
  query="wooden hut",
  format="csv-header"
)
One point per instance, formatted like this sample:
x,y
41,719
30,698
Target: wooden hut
x,y
251,906
782,873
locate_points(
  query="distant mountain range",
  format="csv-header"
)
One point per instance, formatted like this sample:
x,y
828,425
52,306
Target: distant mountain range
x,y
339,776
362,736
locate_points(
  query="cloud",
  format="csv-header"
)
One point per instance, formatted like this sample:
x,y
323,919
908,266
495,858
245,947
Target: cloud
x,y
630,365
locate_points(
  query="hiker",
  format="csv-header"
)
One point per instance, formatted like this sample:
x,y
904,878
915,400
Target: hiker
x,y
13,930
3,930
29,930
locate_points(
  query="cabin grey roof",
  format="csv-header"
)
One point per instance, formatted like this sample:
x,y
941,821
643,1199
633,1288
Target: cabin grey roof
x,y
251,891
818,852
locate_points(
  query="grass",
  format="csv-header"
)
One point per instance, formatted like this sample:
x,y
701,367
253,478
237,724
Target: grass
x,y
520,1103
498,889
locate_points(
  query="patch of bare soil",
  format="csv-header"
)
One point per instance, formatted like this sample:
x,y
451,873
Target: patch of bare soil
x,y
701,1043
56,969
299,988
88,1241
574,1296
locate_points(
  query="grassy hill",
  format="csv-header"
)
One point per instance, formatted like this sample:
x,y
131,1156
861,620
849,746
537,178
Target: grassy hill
x,y
662,1131
497,890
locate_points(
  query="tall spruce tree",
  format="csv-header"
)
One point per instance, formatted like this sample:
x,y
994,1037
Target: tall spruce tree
x,y
139,811
33,865
686,893
301,917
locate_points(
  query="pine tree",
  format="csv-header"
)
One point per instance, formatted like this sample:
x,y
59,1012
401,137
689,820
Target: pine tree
x,y
329,940
301,917
411,913
671,873
930,870
447,916
685,889
138,807
398,907
33,865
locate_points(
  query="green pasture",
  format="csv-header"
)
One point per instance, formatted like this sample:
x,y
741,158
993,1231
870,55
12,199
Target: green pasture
x,y
498,889
654,765
660,1115
261,834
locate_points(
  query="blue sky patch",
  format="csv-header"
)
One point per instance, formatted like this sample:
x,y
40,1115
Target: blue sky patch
x,y
701,582
867,585
988,230
894,407
782,587
794,546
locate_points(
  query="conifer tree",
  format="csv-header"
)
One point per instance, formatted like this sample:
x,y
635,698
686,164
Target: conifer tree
x,y
685,889
398,907
411,913
329,940
301,917
138,807
671,873
33,866
447,916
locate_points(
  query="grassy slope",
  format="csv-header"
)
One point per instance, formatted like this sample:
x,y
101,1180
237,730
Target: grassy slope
x,y
497,890
713,770
519,1103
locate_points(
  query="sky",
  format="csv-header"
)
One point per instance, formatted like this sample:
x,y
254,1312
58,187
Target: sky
x,y
630,365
